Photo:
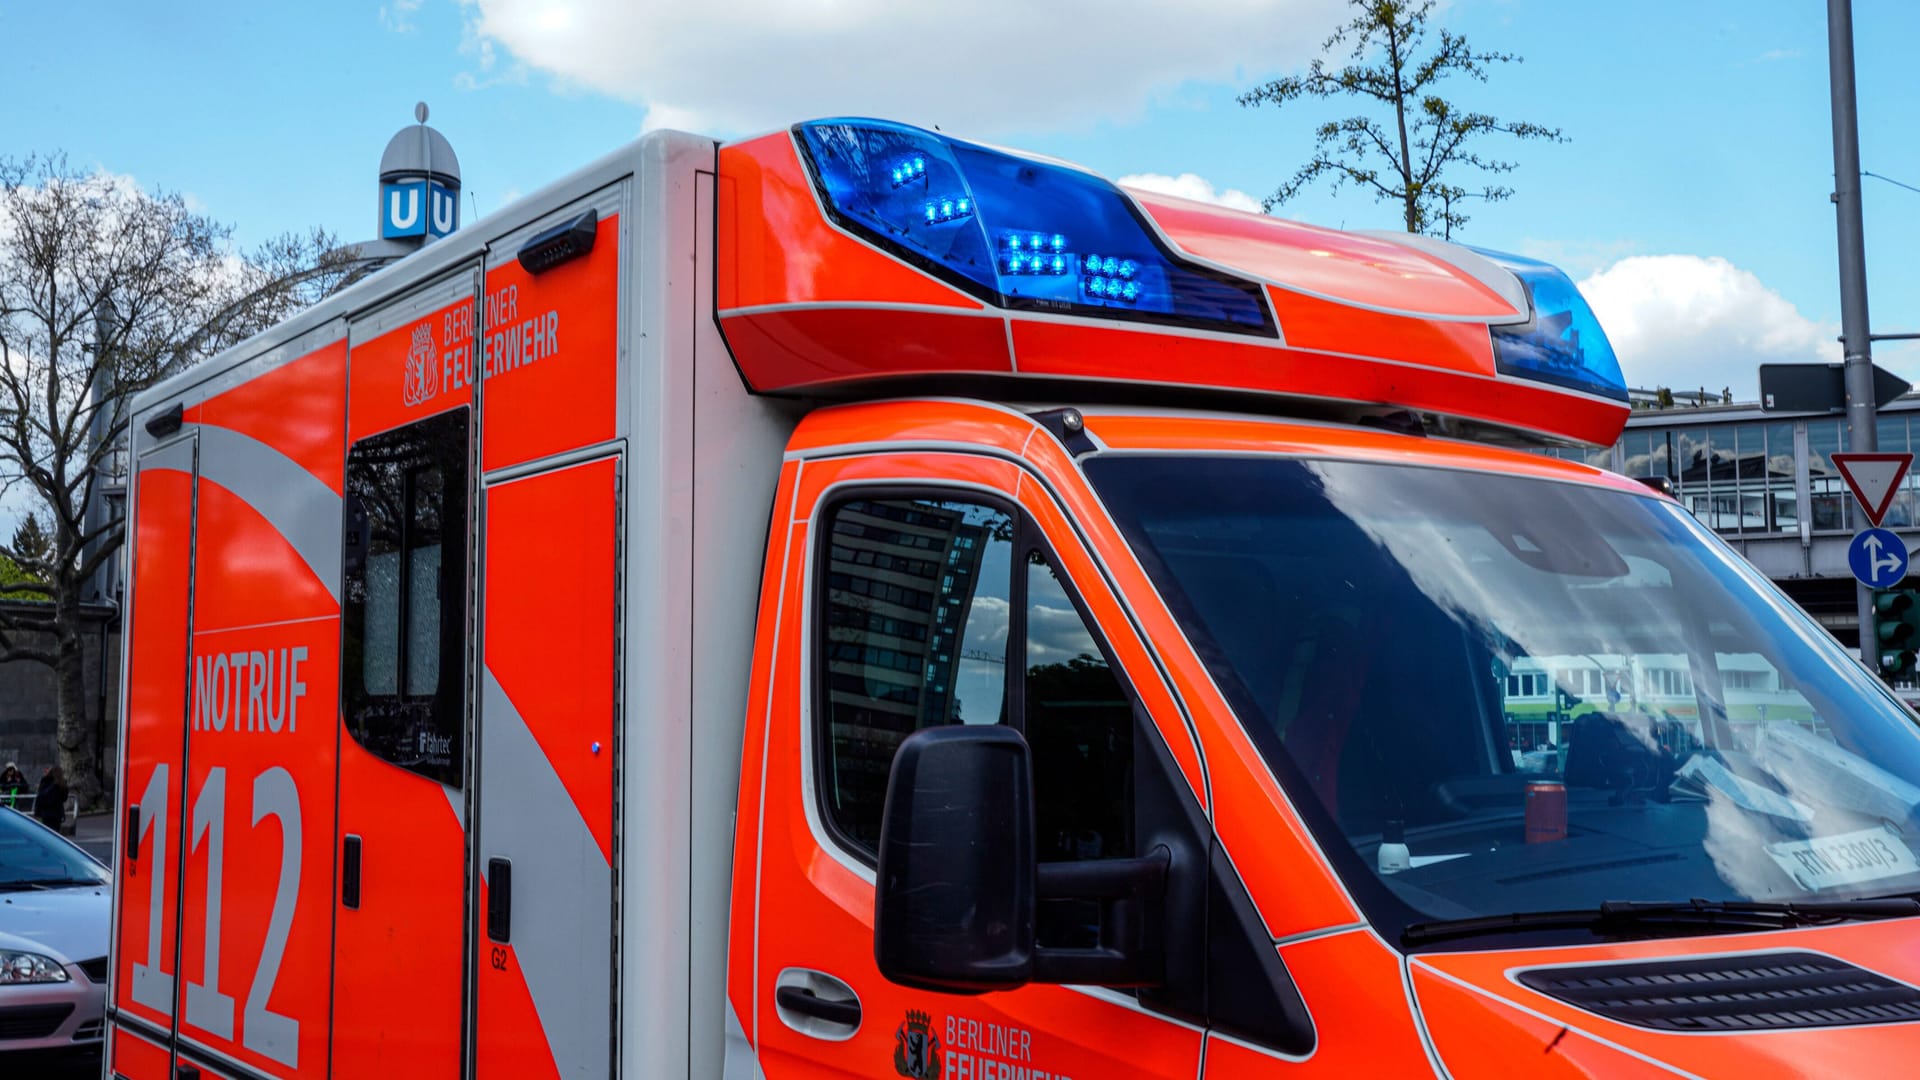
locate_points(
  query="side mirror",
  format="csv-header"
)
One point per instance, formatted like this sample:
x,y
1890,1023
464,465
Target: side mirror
x,y
955,896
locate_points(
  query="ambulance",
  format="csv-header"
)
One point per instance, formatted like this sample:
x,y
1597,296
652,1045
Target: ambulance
x,y
855,602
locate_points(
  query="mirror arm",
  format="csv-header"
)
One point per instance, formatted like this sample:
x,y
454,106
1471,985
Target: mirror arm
x,y
1105,879
1132,894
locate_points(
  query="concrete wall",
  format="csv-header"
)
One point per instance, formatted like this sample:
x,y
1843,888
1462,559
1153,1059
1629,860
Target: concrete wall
x,y
29,711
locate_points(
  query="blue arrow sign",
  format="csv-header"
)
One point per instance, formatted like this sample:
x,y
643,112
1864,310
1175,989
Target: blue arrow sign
x,y
1878,558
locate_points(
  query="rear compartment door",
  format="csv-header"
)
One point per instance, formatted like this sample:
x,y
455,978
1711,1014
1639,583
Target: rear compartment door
x,y
153,754
399,905
548,748
544,952
256,922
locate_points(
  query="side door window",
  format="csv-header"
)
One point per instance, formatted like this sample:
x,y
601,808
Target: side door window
x,y
924,618
405,609
1078,720
915,628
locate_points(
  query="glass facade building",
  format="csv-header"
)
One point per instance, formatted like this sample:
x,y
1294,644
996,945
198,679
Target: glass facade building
x,y
1767,484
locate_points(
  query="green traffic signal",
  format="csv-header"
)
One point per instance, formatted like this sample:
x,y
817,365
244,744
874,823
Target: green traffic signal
x,y
1896,626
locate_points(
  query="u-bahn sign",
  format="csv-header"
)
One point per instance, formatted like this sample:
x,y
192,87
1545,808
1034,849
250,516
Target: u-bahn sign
x,y
418,208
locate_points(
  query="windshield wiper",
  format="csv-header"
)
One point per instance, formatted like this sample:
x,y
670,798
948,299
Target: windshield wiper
x,y
1728,916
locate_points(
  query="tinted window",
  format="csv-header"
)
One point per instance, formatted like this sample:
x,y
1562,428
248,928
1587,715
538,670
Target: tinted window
x,y
1079,722
923,612
916,620
404,620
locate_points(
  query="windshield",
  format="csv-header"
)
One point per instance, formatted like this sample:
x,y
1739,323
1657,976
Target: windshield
x,y
1491,694
30,856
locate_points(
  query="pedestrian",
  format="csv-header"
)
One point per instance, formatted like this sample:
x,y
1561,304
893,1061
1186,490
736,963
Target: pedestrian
x,y
50,802
13,784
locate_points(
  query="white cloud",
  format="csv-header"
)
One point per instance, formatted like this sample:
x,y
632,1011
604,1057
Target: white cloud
x,y
397,15
1700,322
1578,257
1192,186
671,117
979,68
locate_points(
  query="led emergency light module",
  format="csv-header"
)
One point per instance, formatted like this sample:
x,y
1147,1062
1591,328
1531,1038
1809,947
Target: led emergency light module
x,y
1017,232
1562,343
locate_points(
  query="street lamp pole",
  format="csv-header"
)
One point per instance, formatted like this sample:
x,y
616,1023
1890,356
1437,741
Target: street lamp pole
x,y
1854,332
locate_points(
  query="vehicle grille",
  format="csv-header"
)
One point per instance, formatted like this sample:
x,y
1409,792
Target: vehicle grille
x,y
89,1031
32,1021
96,969
1757,992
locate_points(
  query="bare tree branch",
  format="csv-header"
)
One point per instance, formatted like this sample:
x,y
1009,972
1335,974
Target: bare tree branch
x,y
104,288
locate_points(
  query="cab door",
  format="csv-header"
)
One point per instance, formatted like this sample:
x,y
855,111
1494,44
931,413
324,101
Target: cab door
x,y
934,602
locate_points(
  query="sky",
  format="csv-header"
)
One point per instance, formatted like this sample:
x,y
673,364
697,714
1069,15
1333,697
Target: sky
x,y
1690,200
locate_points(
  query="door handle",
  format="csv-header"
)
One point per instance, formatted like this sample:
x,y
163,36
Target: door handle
x,y
350,873
131,843
807,1003
500,900
816,1004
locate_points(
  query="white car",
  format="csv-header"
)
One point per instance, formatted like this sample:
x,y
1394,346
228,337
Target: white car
x,y
55,914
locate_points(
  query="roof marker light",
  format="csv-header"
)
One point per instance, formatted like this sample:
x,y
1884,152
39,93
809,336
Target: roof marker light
x,y
1561,342
860,169
568,240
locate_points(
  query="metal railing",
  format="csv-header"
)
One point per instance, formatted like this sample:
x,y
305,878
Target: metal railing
x,y
24,802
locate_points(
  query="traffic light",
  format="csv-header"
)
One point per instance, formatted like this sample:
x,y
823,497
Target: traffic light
x,y
1896,626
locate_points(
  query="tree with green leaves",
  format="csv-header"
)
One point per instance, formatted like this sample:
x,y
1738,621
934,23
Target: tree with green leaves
x,y
25,562
105,288
1410,145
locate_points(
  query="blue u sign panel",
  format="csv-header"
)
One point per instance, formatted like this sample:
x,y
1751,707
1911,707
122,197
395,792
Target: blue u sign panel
x,y
1878,558
418,208
402,212
443,209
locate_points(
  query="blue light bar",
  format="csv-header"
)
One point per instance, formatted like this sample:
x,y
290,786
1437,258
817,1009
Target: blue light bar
x,y
1016,232
1562,342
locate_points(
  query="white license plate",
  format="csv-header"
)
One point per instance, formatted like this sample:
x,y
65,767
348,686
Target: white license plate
x,y
1826,862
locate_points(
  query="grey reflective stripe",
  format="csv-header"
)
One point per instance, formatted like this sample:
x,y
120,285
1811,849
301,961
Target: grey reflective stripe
x,y
458,801
304,511
177,456
562,887
739,1062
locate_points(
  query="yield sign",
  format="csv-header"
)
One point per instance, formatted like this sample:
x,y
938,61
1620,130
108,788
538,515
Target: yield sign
x,y
1873,478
